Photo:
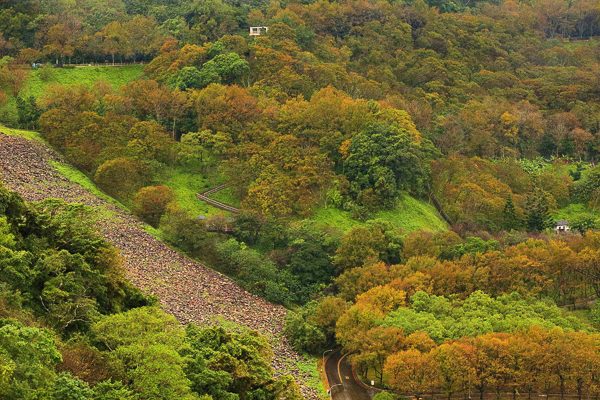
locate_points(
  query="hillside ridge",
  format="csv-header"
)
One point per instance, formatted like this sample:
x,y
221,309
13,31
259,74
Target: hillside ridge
x,y
188,290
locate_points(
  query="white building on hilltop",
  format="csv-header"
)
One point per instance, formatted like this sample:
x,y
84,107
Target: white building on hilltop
x,y
256,30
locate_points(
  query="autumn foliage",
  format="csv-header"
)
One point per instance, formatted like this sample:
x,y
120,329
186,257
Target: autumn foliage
x,y
151,202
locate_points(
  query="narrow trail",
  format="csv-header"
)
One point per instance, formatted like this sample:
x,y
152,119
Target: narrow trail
x,y
217,204
188,290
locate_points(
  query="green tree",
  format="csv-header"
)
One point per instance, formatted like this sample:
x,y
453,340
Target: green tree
x,y
510,220
112,391
115,40
584,222
303,333
227,365
367,244
122,177
385,396
538,211
28,111
588,187
224,68
312,264
189,78
385,159
31,354
67,387
143,346
180,229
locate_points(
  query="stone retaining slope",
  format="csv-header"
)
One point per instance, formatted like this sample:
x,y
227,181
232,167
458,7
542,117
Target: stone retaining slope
x,y
187,289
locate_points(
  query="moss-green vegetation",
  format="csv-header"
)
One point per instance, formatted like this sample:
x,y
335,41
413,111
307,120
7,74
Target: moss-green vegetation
x,y
228,197
310,367
114,76
186,185
74,175
410,214
18,132
571,211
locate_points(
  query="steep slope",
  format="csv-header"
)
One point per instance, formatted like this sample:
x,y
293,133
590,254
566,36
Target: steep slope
x,y
188,290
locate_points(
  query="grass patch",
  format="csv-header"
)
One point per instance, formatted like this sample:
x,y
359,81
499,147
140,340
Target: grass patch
x,y
571,211
228,197
410,214
310,367
114,76
371,377
18,132
186,185
74,175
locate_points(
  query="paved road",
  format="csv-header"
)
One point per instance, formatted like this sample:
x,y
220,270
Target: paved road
x,y
339,370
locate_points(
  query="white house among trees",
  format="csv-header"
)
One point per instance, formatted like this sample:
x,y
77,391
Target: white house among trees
x,y
562,226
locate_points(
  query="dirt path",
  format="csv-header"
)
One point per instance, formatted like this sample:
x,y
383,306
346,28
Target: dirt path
x,y
188,290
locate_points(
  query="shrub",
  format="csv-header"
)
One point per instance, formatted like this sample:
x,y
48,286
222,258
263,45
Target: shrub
x,y
150,203
186,233
121,177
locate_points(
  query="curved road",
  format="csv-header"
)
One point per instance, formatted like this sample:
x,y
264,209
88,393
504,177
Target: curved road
x,y
338,371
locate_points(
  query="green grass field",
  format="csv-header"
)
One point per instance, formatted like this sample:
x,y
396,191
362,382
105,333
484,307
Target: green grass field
x,y
114,76
186,185
18,132
571,211
410,214
228,197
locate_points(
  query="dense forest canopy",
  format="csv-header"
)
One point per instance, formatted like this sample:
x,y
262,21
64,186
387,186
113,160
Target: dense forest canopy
x,y
328,129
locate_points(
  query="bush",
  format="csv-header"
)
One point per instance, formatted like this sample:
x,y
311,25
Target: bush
x,y
595,313
121,177
387,396
151,202
588,187
304,335
182,231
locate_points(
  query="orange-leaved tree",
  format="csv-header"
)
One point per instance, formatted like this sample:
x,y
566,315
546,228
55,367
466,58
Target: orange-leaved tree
x,y
151,202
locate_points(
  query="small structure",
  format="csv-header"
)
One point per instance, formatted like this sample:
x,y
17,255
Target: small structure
x,y
562,226
255,30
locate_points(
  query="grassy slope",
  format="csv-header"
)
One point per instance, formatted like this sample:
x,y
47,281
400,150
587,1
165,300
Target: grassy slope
x,y
114,76
186,185
410,215
228,197
571,211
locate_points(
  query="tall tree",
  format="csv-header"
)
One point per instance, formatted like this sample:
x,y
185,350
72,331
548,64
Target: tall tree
x,y
538,211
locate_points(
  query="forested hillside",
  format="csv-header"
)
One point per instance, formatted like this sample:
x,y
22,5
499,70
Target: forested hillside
x,y
391,171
